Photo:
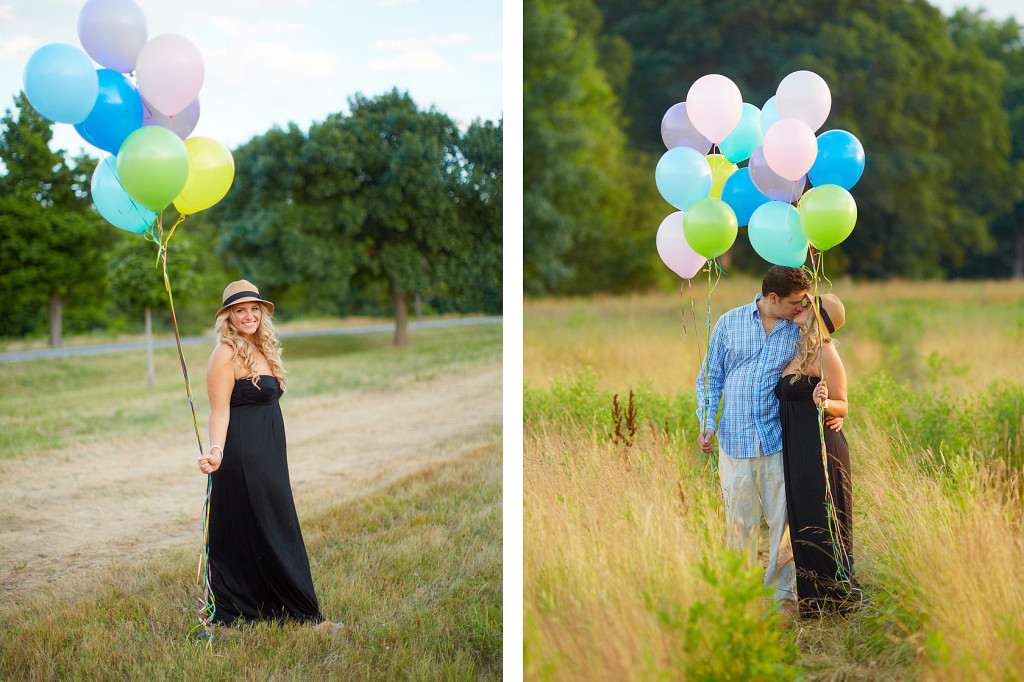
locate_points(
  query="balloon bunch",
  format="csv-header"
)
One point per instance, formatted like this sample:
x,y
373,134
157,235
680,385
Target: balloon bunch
x,y
715,196
145,126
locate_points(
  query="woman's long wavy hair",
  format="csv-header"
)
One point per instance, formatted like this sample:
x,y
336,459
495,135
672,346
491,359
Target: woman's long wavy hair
x,y
807,346
265,339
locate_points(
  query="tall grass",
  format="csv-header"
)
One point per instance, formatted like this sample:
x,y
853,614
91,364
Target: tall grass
x,y
414,571
626,571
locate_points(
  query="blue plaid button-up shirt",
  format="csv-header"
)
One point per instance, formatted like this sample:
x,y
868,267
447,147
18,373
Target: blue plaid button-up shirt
x,y
743,366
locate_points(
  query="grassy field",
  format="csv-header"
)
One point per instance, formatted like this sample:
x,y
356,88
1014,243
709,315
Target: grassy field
x,y
47,404
627,575
414,569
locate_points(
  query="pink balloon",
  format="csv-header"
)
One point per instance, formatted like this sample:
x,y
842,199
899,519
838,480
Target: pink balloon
x,y
790,148
804,95
169,72
714,105
674,249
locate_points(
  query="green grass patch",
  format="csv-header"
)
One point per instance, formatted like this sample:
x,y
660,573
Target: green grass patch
x,y
50,404
414,571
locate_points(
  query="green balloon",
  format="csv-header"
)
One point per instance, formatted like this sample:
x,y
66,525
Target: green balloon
x,y
710,227
827,215
153,166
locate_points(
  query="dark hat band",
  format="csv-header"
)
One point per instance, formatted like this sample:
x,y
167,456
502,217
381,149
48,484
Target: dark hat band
x,y
825,318
241,294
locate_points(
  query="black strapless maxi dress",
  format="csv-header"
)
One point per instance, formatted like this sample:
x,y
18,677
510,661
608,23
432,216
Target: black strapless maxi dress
x,y
825,582
259,569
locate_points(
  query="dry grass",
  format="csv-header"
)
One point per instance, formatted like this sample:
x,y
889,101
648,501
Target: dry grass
x,y
974,329
414,571
613,547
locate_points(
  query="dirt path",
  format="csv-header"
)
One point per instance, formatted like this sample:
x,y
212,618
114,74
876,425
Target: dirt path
x,y
119,499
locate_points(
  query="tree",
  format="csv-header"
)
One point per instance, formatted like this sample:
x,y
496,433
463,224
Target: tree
x,y
590,209
52,244
410,235
288,221
473,282
1001,42
927,108
137,281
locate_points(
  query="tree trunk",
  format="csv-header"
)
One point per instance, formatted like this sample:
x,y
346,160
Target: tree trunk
x,y
149,346
1017,269
56,337
401,317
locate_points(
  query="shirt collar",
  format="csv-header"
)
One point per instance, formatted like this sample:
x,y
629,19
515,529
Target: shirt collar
x,y
756,314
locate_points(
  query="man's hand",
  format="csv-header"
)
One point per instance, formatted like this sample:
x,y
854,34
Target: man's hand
x,y
705,439
834,423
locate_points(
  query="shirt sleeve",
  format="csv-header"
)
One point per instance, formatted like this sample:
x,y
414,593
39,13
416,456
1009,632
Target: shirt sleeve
x,y
714,369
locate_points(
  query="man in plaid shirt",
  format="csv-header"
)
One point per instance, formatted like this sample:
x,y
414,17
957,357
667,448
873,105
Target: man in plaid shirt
x,y
748,349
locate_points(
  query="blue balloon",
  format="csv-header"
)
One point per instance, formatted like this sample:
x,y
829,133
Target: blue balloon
x,y
114,204
776,235
840,160
61,83
683,177
739,192
769,114
745,137
117,113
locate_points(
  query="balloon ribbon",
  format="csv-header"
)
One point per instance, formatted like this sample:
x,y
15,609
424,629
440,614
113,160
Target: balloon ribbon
x,y
208,606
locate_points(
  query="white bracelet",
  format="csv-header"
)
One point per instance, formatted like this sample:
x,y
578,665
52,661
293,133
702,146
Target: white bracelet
x,y
219,448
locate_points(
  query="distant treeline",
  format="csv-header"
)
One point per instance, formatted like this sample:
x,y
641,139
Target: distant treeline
x,y
938,103
378,212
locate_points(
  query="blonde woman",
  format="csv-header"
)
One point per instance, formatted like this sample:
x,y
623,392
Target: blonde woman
x,y
259,569
820,515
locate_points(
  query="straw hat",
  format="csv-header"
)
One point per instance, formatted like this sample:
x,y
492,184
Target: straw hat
x,y
833,313
242,291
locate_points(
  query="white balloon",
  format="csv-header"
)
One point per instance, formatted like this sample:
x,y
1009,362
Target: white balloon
x,y
804,95
674,250
714,105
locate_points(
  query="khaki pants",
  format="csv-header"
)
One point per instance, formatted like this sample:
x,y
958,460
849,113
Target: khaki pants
x,y
752,486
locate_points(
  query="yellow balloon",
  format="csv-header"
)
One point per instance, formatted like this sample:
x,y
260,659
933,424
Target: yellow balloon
x,y
211,169
721,169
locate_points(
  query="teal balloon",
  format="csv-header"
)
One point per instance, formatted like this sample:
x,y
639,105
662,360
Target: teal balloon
x,y
61,83
769,114
776,235
710,227
153,166
683,176
745,137
114,204
742,196
840,160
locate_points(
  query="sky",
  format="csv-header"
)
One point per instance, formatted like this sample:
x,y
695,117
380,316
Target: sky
x,y
994,9
271,62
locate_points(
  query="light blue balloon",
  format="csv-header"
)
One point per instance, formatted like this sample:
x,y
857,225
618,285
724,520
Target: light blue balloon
x,y
769,114
745,137
116,115
741,194
840,160
683,177
61,83
114,204
776,235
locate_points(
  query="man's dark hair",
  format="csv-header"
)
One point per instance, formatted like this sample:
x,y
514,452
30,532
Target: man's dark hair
x,y
783,281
